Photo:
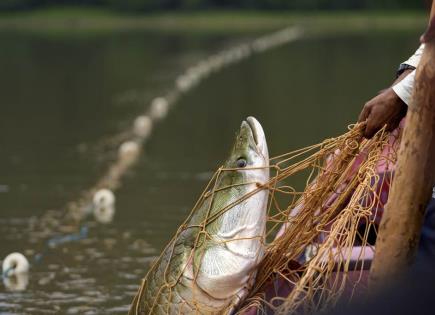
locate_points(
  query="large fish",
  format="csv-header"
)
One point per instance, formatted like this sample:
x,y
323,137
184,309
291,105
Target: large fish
x,y
210,264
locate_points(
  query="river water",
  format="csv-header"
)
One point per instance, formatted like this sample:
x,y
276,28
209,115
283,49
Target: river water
x,y
65,96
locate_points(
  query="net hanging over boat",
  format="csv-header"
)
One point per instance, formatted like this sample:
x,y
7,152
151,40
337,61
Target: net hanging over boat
x,y
311,247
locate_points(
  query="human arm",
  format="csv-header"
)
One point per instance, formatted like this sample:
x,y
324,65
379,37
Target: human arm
x,y
390,105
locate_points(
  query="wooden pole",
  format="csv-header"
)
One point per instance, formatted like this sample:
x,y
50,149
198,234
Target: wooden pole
x,y
400,229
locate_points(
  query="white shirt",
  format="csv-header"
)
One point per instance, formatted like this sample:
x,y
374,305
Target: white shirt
x,y
404,88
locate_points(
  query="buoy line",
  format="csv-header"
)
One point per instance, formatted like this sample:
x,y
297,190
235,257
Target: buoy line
x,y
99,200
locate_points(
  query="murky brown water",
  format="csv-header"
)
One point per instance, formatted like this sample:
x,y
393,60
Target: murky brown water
x,y
63,97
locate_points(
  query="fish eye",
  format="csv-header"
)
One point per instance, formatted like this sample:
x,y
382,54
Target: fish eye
x,y
241,162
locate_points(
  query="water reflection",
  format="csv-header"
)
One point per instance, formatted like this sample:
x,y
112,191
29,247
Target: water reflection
x,y
17,282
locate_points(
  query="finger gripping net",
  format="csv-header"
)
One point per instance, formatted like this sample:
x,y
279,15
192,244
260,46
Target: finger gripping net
x,y
324,205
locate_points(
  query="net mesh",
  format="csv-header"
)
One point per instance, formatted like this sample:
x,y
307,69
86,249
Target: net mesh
x,y
324,205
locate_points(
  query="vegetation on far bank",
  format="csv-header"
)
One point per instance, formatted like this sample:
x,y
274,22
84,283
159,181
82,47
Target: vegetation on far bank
x,y
153,5
85,19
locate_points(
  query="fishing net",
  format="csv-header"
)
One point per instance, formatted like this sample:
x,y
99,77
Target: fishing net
x,y
324,206
327,231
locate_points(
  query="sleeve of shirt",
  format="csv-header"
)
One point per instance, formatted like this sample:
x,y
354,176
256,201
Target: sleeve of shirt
x,y
404,88
414,60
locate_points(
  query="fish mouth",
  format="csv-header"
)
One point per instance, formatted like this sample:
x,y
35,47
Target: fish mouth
x,y
258,136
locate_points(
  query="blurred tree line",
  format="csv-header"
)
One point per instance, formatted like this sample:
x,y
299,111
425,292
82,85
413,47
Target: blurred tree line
x,y
151,5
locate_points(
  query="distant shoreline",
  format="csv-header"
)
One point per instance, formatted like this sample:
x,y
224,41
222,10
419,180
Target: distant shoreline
x,y
99,20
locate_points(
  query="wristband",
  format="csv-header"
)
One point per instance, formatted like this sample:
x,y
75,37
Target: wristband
x,y
402,68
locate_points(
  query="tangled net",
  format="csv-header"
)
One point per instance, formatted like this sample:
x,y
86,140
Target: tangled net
x,y
319,238
328,231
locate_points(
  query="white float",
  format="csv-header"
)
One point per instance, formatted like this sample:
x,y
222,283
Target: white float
x,y
104,214
183,83
104,198
104,205
159,108
142,126
15,270
203,68
194,75
15,263
16,283
129,150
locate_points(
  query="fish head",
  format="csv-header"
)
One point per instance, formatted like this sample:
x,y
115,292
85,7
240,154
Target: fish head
x,y
242,191
250,155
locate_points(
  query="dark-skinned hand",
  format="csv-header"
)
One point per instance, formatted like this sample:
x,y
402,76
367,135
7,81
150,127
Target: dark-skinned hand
x,y
384,109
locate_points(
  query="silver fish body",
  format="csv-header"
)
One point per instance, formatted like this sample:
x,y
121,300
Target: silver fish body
x,y
211,262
